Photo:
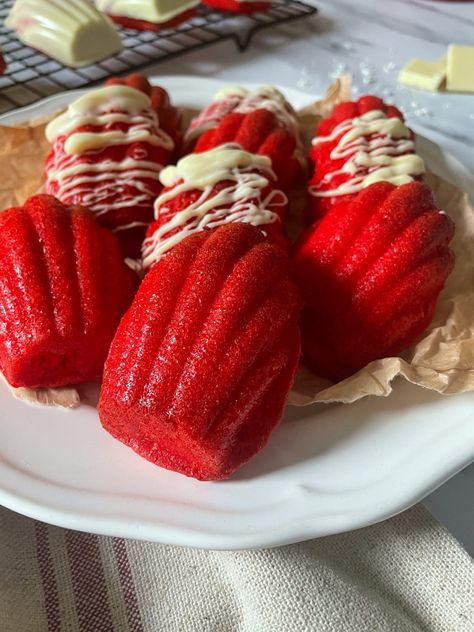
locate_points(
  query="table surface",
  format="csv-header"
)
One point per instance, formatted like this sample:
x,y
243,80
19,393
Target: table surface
x,y
372,40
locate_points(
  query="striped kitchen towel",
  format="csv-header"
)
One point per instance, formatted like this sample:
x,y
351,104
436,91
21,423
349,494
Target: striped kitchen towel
x,y
404,575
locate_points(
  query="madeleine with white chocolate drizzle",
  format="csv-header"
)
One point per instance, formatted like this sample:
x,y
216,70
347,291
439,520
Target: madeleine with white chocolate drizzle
x,y
246,176
375,148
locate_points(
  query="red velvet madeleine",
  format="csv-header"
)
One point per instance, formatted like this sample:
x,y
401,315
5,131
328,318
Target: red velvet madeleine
x,y
200,368
378,133
144,25
370,273
243,101
237,6
63,289
130,134
209,189
168,115
261,133
167,227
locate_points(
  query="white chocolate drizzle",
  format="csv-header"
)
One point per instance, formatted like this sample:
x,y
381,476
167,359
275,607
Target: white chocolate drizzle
x,y
224,103
77,169
241,200
71,31
243,101
271,99
375,148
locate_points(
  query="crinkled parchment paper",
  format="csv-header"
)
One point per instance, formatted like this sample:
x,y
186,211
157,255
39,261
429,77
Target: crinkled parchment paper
x,y
443,360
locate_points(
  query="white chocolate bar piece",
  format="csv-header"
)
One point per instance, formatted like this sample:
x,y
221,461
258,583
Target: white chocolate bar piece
x,y
422,74
72,31
155,11
460,68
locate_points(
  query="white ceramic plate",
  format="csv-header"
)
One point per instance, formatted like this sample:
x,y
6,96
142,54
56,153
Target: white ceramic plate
x,y
327,469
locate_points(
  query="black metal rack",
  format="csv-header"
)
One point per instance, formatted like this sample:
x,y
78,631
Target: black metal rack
x,y
31,76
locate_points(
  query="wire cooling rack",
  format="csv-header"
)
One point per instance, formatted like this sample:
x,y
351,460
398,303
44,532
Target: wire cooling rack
x,y
30,75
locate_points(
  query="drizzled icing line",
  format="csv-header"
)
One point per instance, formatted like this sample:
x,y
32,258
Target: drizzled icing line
x,y
243,101
95,182
389,156
241,201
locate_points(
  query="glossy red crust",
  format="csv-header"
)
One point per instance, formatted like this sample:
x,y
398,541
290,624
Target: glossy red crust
x,y
144,25
63,289
321,153
200,368
238,7
170,121
370,273
258,132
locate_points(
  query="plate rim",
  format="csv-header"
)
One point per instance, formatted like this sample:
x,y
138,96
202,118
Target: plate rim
x,y
162,532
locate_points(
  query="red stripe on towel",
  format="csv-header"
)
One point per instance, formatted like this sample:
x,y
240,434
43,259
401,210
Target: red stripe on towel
x,y
88,580
48,578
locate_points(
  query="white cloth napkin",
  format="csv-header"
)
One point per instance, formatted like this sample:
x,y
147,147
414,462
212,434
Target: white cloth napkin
x,y
404,575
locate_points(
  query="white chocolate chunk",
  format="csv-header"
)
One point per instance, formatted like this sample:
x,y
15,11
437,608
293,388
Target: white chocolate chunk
x,y
422,74
460,68
72,31
156,11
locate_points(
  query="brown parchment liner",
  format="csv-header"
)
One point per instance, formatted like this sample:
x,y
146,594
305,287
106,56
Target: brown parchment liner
x,y
442,360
